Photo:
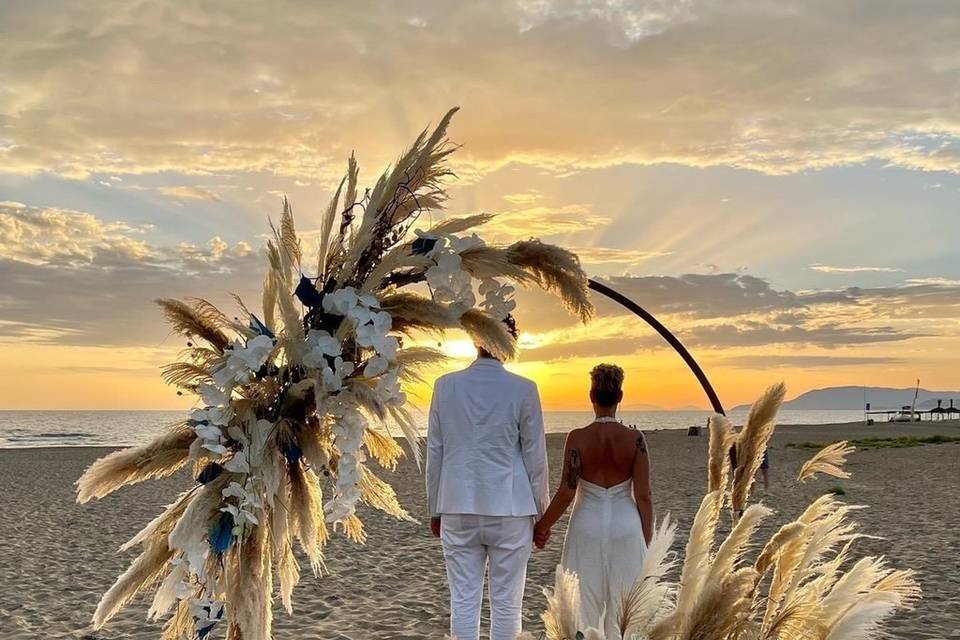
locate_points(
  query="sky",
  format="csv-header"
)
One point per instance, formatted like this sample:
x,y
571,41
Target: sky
x,y
778,181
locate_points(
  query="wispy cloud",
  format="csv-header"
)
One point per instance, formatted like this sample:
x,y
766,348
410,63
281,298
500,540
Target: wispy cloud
x,y
186,192
825,268
544,221
788,361
596,256
126,90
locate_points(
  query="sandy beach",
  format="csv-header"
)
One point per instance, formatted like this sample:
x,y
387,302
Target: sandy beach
x,y
59,557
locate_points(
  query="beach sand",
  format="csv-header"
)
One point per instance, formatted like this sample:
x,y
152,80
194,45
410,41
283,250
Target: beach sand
x,y
57,557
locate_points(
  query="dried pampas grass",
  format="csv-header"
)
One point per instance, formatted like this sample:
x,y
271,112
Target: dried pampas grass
x,y
489,333
650,596
828,460
486,261
556,270
249,587
382,448
722,438
380,495
413,360
146,570
200,320
412,312
308,524
562,617
459,225
696,564
159,459
752,442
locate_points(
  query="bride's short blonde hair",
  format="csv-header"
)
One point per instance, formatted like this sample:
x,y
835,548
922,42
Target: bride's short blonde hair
x,y
606,384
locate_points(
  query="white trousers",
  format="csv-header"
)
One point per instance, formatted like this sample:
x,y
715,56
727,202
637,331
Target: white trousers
x,y
470,542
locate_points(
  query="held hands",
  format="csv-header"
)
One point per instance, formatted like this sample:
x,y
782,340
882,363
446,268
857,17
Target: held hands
x,y
541,535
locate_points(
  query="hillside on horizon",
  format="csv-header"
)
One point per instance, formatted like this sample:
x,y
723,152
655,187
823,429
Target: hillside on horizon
x,y
852,398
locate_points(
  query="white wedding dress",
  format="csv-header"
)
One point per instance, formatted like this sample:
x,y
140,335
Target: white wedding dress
x,y
604,545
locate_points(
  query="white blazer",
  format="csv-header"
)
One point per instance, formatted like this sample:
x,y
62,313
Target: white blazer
x,y
486,450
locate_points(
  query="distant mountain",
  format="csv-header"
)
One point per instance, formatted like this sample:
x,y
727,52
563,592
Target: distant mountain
x,y
840,398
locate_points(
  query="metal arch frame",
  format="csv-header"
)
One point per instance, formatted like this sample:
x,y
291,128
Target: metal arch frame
x,y
671,339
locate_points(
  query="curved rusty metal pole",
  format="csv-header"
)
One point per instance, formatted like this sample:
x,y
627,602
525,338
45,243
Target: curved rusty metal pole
x,y
669,337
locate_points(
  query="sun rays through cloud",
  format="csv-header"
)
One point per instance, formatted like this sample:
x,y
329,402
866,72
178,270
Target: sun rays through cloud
x,y
793,210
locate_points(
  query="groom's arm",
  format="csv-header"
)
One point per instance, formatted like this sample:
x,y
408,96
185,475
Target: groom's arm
x,y
533,444
434,460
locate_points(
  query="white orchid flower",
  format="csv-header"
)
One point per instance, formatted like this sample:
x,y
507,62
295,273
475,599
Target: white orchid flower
x,y
449,282
233,490
369,300
212,415
359,315
376,366
204,611
498,300
226,375
241,517
319,345
255,353
218,449
333,378
209,434
374,335
340,301
389,389
460,245
239,463
212,396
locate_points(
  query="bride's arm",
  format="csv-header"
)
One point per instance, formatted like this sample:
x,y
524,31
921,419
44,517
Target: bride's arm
x,y
641,487
565,492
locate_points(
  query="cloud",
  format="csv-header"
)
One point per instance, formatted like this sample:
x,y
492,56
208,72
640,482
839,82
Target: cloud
x,y
722,295
754,334
597,256
739,311
779,361
563,85
717,295
824,268
524,198
51,236
185,192
71,278
935,281
545,222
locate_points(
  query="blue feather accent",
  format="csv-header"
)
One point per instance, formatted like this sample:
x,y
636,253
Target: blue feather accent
x,y
260,328
423,246
221,533
210,472
203,632
307,293
292,452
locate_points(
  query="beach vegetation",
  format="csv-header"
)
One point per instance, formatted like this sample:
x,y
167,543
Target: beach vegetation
x,y
898,442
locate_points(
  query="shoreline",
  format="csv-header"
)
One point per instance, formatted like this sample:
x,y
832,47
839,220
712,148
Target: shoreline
x,y
925,426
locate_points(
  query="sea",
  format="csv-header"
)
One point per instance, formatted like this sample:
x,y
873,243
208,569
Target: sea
x,y
25,429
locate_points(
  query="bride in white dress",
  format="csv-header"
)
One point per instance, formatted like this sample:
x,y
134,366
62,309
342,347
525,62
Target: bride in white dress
x,y
606,474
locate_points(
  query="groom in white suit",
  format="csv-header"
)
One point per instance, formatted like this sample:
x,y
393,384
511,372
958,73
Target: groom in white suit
x,y
487,483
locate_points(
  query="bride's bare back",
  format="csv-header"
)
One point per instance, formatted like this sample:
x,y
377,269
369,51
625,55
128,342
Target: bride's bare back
x,y
604,453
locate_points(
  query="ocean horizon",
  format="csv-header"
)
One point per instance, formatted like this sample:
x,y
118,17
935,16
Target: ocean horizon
x,y
119,428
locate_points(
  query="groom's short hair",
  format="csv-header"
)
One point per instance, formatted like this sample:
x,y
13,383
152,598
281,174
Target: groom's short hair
x,y
606,384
